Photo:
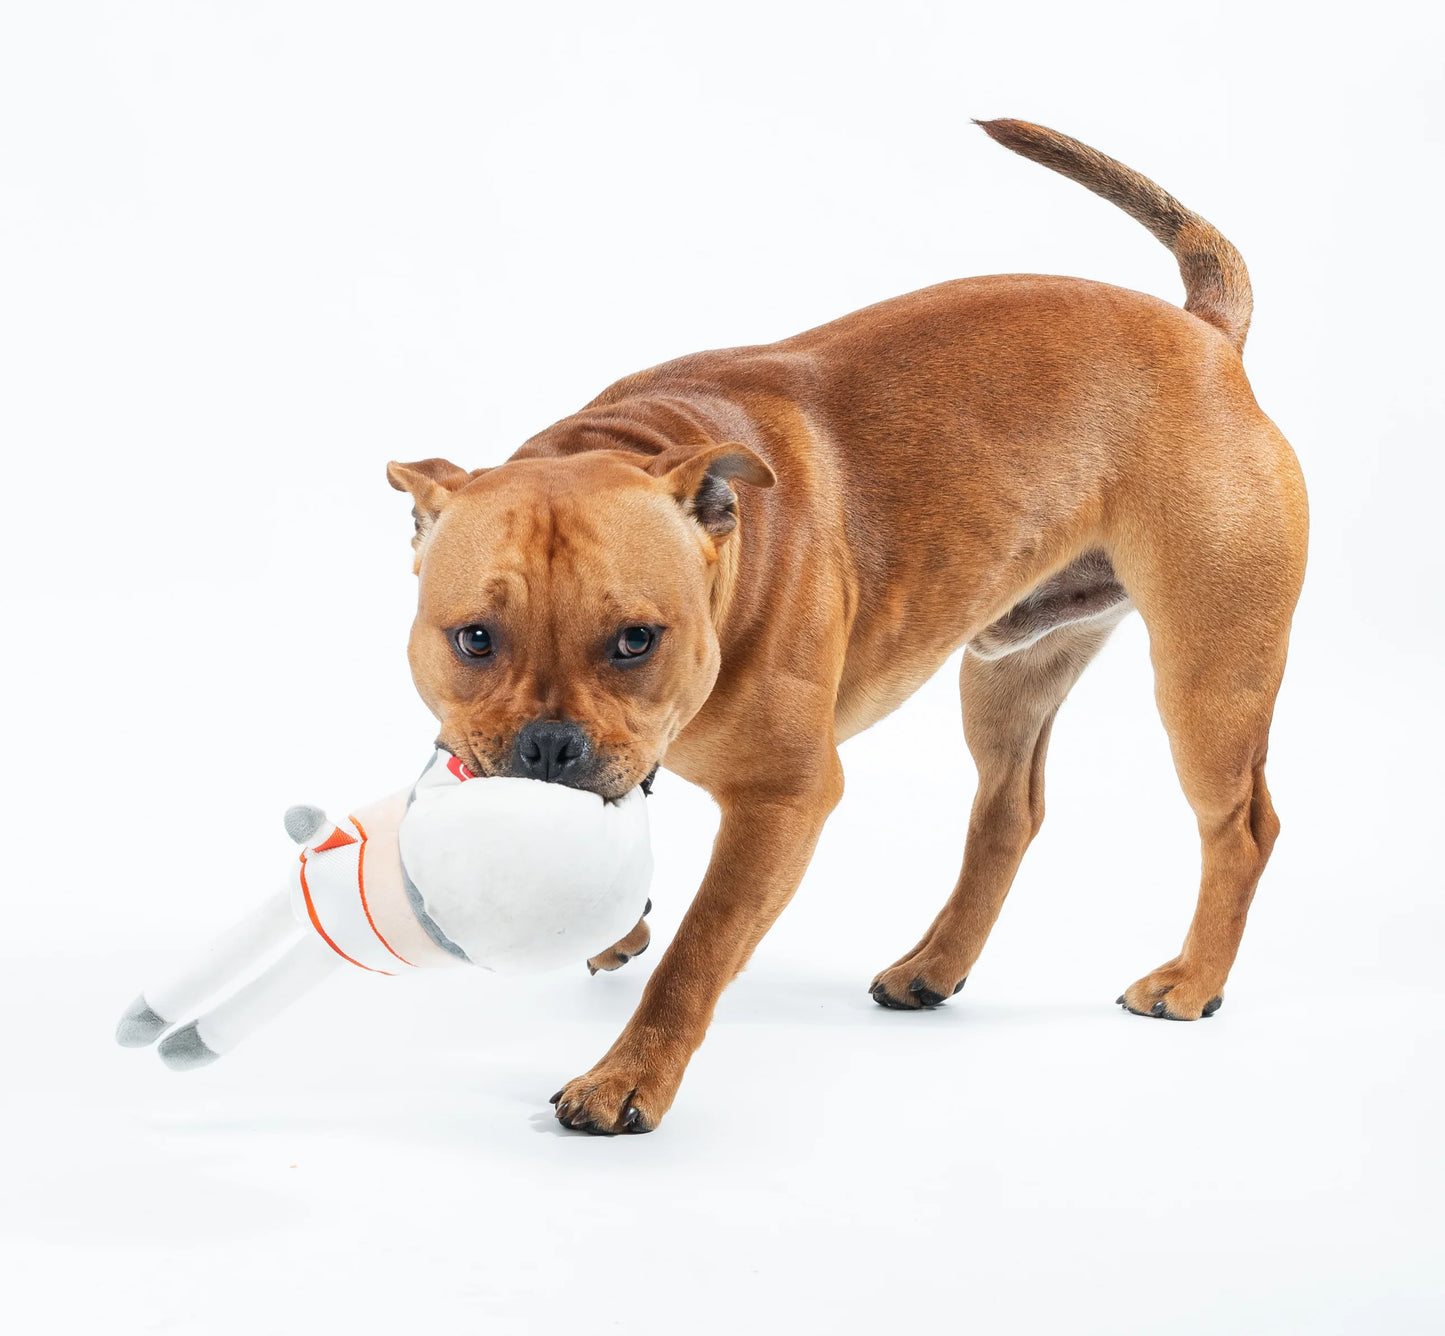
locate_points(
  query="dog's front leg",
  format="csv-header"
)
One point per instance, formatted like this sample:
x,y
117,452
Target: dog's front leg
x,y
763,846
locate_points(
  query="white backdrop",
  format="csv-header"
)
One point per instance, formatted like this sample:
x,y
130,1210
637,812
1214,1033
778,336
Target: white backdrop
x,y
252,252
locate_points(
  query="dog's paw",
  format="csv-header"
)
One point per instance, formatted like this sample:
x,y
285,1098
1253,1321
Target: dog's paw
x,y
914,984
615,1098
1172,993
634,944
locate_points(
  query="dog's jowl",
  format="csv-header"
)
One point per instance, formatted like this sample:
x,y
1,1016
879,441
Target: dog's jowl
x,y
731,562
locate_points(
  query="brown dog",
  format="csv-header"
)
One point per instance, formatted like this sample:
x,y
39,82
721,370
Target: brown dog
x,y
1008,463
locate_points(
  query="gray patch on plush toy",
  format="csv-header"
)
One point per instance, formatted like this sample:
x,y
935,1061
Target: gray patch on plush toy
x,y
414,896
303,821
185,1048
433,928
139,1025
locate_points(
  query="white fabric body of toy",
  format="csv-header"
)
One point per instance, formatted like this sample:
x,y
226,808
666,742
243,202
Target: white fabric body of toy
x,y
513,875
523,881
509,874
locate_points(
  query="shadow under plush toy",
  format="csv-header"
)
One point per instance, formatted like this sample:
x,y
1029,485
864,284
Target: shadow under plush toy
x,y
514,875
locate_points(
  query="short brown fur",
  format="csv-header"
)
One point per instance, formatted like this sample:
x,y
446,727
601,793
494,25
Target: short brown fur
x,y
1010,462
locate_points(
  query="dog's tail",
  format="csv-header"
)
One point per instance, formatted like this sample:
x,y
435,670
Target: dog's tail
x,y
1216,283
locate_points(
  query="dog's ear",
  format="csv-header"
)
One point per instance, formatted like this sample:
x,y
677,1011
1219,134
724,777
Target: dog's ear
x,y
431,483
702,482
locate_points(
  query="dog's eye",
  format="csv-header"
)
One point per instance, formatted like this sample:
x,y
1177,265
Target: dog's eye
x,y
633,642
474,641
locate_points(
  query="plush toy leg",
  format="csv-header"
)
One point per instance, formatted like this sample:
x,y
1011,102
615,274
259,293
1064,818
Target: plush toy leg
x,y
299,970
230,957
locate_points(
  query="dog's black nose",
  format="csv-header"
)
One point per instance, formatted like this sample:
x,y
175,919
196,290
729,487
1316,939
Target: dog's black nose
x,y
554,750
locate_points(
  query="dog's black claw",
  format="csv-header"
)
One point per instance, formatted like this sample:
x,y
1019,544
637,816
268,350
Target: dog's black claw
x,y
1212,1006
1119,1001
591,968
958,987
647,908
885,999
623,958
632,1120
1158,1009
924,994
642,948
557,1096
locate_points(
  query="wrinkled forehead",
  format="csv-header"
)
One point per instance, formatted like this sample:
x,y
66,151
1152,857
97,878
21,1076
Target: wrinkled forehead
x,y
601,539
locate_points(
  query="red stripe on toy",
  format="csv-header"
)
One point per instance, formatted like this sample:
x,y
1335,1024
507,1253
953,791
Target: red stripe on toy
x,y
321,932
458,769
361,890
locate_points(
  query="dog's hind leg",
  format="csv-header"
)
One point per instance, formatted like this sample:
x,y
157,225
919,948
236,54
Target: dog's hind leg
x,y
1218,724
1009,703
1218,609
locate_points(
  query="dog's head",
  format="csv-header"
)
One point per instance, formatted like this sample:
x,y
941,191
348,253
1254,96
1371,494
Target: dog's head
x,y
565,625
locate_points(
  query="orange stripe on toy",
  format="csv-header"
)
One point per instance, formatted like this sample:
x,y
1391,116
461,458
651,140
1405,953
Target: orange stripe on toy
x,y
361,889
336,840
316,923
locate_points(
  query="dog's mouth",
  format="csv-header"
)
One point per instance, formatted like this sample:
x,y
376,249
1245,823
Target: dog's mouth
x,y
612,794
604,784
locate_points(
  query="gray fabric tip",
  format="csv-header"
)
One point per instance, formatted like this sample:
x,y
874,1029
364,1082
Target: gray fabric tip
x,y
303,822
139,1026
184,1048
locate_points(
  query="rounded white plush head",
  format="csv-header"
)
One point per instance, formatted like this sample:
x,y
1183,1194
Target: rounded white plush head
x,y
526,876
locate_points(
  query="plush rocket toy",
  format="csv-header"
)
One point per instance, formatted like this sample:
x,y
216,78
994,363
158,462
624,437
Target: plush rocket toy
x,y
510,874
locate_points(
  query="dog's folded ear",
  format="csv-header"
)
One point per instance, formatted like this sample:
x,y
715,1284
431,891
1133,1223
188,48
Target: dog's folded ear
x,y
702,482
431,483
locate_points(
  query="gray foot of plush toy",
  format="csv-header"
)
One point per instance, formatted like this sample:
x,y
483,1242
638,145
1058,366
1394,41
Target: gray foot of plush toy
x,y
185,1048
139,1025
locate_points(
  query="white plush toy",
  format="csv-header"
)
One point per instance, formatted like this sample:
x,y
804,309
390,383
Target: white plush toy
x,y
509,874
